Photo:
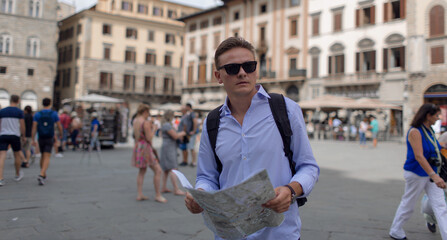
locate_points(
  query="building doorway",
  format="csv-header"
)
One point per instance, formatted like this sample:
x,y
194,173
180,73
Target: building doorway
x,y
437,94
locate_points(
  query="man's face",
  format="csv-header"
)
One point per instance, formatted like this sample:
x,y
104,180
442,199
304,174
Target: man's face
x,y
242,83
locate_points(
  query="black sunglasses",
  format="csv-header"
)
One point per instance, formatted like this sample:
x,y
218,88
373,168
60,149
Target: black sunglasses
x,y
234,68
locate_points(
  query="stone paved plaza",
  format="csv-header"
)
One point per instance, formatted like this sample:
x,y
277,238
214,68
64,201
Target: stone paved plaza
x,y
356,197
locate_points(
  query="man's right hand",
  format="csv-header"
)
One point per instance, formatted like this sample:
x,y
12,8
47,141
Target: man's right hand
x,y
191,204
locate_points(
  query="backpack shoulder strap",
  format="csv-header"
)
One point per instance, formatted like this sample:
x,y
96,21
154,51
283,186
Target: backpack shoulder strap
x,y
212,127
279,112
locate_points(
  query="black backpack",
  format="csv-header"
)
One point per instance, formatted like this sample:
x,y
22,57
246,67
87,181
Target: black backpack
x,y
45,125
279,111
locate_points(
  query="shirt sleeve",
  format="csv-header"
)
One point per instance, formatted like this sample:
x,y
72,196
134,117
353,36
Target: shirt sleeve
x,y
36,117
21,115
207,174
307,170
55,117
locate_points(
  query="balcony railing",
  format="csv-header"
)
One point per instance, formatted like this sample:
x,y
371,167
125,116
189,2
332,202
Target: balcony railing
x,y
356,78
297,72
267,74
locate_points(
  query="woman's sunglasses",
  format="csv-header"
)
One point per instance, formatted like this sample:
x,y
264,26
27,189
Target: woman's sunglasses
x,y
234,68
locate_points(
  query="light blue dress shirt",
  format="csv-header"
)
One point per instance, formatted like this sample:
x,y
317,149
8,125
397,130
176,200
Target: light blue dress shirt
x,y
254,146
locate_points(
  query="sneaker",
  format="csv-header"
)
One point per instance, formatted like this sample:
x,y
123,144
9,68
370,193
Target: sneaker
x,y
25,165
2,182
38,155
18,178
183,164
41,180
193,164
59,155
431,227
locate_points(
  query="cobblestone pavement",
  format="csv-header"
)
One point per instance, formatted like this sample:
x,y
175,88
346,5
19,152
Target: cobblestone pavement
x,y
356,198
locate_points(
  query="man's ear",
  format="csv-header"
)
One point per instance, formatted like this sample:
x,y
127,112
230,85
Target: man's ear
x,y
217,76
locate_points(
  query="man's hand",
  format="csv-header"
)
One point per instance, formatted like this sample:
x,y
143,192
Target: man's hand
x,y
438,181
281,202
191,204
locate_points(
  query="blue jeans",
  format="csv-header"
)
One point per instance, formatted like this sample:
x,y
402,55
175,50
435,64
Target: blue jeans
x,y
362,138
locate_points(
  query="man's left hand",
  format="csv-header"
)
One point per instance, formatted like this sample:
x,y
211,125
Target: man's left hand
x,y
281,202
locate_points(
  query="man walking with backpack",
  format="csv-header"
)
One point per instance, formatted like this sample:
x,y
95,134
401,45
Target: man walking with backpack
x,y
12,132
43,125
252,135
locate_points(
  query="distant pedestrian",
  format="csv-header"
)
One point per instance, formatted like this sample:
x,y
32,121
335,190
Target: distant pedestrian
x,y
168,155
65,122
75,127
26,145
188,123
423,157
143,153
94,132
43,125
12,131
374,126
362,131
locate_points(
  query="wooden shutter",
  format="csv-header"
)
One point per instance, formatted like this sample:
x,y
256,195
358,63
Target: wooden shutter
x,y
357,17
342,63
329,64
437,55
357,62
403,8
314,66
373,60
386,12
190,74
373,15
385,60
337,21
202,73
402,57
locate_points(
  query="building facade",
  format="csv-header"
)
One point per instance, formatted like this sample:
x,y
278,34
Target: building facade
x,y
64,10
127,49
427,66
28,37
277,30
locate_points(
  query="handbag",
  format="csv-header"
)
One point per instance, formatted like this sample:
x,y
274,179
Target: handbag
x,y
443,168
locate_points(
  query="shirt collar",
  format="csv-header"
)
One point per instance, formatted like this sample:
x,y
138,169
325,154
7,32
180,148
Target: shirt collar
x,y
260,94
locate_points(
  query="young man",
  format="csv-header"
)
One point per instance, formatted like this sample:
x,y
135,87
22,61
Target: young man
x,y
189,125
249,141
43,124
374,126
12,132
65,120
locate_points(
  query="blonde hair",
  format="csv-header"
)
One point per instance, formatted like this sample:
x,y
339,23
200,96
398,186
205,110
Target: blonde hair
x,y
142,108
167,117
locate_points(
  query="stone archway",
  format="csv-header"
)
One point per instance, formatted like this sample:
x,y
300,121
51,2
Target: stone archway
x,y
4,98
437,94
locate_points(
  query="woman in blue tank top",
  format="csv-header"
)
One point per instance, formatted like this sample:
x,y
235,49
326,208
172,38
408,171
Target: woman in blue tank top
x,y
421,172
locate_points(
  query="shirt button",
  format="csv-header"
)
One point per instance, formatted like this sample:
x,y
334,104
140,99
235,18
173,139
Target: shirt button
x,y
245,158
243,134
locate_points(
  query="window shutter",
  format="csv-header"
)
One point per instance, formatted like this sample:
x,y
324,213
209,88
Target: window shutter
x,y
386,12
373,15
357,17
402,57
373,60
403,8
385,60
342,63
329,65
357,62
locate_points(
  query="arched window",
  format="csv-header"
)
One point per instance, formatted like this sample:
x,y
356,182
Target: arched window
x,y
4,98
6,6
336,60
5,44
436,21
28,98
293,93
32,47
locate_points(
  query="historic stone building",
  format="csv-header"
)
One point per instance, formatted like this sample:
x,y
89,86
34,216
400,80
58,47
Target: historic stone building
x,y
278,31
427,66
28,36
122,48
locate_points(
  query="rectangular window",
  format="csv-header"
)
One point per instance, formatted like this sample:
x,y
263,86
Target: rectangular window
x,y
66,79
151,58
168,84
2,70
262,33
336,64
170,38
142,8
397,57
314,66
107,29
149,84
216,40
77,51
58,77
157,11
131,33
107,52
236,16
217,21
263,8
437,55
129,82
204,24
337,21
172,14
315,25
394,10
202,73
365,61
365,16
105,80
293,63
190,73
294,3
168,60
130,55
150,35
204,45
79,29
192,27
30,72
127,6
294,27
